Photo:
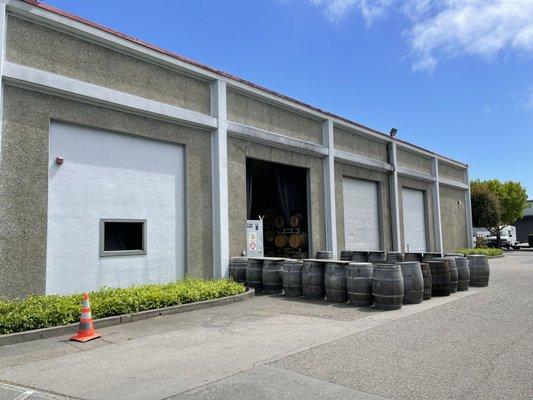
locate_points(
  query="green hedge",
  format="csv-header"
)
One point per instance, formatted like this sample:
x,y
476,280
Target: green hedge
x,y
44,311
486,252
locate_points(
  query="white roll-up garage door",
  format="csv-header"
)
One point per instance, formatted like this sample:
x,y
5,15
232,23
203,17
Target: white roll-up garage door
x,y
115,210
362,229
414,220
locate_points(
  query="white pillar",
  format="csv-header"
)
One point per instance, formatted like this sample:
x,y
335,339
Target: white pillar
x,y
219,179
329,187
468,202
394,196
436,205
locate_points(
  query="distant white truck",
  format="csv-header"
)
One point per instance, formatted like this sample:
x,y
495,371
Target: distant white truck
x,y
507,237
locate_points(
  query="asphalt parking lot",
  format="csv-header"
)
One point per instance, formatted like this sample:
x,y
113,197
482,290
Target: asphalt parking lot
x,y
475,344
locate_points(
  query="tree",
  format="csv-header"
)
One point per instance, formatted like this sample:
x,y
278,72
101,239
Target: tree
x,y
486,209
511,198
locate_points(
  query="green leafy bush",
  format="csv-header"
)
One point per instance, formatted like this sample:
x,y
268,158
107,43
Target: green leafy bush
x,y
486,252
44,311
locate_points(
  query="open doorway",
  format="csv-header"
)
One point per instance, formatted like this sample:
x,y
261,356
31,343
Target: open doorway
x,y
279,194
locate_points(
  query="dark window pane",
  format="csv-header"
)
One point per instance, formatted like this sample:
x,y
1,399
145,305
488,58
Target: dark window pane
x,y
123,236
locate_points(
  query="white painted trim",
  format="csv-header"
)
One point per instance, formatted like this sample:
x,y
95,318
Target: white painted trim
x,y
126,46
48,82
3,27
394,197
468,202
436,205
360,161
329,188
410,173
453,184
276,140
219,165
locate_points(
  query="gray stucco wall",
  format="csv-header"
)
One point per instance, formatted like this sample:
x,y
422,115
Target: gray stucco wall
x,y
360,145
238,151
414,161
453,216
404,182
254,112
37,46
24,182
450,172
342,170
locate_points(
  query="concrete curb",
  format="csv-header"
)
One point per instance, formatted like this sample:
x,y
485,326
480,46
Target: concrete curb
x,y
44,333
500,256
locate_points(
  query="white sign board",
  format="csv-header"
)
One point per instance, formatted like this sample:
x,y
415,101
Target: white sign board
x,y
254,238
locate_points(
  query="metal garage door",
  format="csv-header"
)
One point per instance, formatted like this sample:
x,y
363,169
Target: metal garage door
x,y
362,229
414,220
123,178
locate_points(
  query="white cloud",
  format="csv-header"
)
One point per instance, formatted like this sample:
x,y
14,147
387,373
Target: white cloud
x,y
446,29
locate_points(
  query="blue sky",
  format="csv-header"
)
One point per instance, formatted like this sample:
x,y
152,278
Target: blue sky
x,y
454,76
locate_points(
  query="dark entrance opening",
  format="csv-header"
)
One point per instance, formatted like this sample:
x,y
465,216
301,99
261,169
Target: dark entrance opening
x,y
278,193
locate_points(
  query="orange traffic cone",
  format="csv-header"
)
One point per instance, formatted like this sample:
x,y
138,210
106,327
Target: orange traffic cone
x,y
86,330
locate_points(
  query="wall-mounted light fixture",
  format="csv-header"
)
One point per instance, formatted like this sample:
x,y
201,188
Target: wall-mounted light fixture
x,y
393,132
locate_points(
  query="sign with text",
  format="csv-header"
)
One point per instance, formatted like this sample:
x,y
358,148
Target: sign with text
x,y
254,238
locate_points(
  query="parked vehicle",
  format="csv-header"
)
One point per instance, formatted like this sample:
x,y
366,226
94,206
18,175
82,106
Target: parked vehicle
x,y
508,237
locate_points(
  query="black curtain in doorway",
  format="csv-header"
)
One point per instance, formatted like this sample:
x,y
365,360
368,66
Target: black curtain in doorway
x,y
290,184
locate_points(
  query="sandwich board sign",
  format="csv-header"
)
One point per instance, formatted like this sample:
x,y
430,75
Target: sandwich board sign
x,y
254,238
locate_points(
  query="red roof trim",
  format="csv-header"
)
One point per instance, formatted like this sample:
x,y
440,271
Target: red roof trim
x,y
57,11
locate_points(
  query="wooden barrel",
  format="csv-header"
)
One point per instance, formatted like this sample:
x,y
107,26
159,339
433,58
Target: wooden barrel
x,y
377,257
413,257
359,283
454,274
426,274
413,282
279,222
237,269
296,220
254,274
272,275
324,255
479,270
346,255
463,273
270,234
313,279
394,257
268,215
335,282
281,240
440,277
292,278
387,286
360,256
297,240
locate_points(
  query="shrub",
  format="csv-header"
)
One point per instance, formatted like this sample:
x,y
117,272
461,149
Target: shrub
x,y
44,311
486,252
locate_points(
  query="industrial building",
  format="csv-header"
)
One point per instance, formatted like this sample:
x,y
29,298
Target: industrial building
x,y
122,163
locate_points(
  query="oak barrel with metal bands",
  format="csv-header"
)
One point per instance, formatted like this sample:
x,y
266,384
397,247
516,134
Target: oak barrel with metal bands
x,y
454,274
359,283
427,257
413,282
463,273
394,257
237,269
335,282
387,286
292,278
324,255
360,256
377,257
272,276
346,255
479,270
413,257
440,276
254,274
313,279
428,282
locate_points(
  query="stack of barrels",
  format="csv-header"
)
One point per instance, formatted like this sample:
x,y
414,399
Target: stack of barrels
x,y
359,280
287,235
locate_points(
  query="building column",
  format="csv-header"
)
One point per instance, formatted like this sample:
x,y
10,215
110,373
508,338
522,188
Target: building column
x,y
3,23
468,202
219,180
394,198
436,204
329,187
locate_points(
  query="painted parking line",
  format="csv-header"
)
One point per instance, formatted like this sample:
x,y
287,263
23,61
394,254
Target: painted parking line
x,y
12,392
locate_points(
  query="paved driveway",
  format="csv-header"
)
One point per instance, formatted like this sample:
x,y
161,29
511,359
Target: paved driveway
x,y
475,344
